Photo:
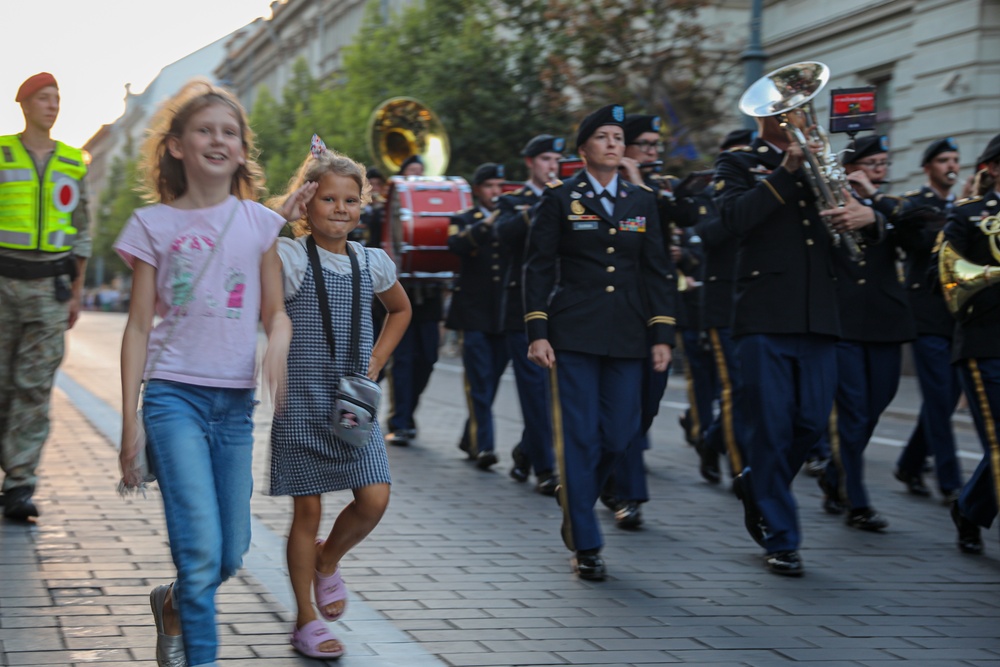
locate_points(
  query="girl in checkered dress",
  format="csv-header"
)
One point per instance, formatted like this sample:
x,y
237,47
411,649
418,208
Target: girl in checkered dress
x,y
307,459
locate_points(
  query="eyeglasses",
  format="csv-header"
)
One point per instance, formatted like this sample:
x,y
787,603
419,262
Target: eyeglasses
x,y
875,164
648,145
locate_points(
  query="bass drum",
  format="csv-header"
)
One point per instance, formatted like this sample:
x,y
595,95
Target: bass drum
x,y
418,213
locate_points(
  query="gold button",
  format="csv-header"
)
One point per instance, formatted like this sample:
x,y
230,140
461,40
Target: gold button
x,y
496,244
755,273
496,267
612,231
610,269
915,286
799,184
862,263
809,241
609,289
861,281
496,279
611,250
711,278
805,222
802,203
512,284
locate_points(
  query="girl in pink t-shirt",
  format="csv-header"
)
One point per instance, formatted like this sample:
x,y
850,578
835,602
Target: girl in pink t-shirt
x,y
205,261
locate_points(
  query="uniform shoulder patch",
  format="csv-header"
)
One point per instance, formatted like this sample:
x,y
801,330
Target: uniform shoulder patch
x,y
968,200
644,187
911,193
555,184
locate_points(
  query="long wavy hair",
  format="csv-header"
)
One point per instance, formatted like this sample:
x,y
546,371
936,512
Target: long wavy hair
x,y
163,176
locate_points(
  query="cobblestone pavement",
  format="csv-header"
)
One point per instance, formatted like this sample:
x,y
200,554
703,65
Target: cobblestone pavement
x,y
467,567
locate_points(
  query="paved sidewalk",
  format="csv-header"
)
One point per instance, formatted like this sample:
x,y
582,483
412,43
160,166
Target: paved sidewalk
x,y
467,567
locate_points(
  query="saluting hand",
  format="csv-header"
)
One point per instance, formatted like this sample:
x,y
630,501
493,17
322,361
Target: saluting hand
x,y
294,207
540,352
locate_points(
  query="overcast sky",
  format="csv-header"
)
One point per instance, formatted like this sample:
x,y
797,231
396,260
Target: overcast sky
x,y
95,47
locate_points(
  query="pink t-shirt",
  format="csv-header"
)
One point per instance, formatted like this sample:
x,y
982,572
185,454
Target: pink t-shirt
x,y
215,342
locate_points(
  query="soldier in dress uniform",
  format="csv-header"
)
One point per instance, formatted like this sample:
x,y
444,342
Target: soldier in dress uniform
x,y
475,308
875,321
973,230
534,452
369,231
785,324
939,382
626,489
412,166
595,284
719,251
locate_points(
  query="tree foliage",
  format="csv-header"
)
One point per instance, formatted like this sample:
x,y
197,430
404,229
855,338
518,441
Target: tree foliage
x,y
499,72
115,205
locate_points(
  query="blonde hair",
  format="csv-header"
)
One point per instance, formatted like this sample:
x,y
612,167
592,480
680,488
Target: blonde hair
x,y
311,170
163,176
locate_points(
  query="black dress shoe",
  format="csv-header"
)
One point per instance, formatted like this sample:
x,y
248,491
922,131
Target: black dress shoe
x,y
969,539
814,467
832,502
610,501
914,483
411,434
589,565
485,460
522,467
547,484
399,437
708,463
785,563
752,518
685,421
18,504
463,444
865,518
628,515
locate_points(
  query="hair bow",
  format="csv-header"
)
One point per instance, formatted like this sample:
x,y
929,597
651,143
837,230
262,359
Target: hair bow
x,y
318,147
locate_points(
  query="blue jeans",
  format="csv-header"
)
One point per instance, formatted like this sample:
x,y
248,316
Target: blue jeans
x,y
200,442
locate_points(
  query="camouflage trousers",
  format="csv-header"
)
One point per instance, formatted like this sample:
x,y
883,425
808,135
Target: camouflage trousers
x,y
32,325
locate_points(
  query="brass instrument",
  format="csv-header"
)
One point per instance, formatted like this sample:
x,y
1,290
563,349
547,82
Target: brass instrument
x,y
402,127
962,279
791,89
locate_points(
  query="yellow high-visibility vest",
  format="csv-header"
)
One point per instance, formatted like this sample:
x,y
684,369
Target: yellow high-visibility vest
x,y
37,214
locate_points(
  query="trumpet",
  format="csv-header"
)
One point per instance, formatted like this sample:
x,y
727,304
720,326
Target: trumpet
x,y
792,89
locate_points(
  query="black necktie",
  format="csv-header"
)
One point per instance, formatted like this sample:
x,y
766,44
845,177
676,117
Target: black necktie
x,y
606,194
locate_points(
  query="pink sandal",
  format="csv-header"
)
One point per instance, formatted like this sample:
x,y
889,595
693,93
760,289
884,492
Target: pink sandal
x,y
328,589
307,640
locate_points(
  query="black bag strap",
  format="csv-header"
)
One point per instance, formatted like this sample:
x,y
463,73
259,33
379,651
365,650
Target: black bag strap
x,y
324,303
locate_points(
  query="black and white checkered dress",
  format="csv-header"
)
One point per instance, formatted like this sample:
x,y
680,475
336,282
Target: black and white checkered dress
x,y
306,458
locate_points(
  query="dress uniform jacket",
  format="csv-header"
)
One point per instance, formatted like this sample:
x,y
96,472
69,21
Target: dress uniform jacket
x,y
872,302
784,268
512,231
978,333
593,282
918,233
475,300
719,247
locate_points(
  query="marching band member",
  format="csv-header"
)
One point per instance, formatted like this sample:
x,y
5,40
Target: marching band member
x,y
534,452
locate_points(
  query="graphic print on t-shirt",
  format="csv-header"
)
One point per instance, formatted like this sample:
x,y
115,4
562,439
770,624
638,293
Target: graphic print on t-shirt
x,y
188,254
236,283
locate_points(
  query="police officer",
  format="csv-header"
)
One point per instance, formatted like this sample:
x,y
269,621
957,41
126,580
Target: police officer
x,y
475,308
785,324
939,382
875,321
595,283
973,230
534,452
44,245
719,252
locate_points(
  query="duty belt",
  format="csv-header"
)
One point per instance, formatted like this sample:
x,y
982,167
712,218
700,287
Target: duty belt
x,y
12,268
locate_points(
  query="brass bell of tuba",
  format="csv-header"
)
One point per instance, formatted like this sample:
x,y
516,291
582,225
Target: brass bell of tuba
x,y
790,90
402,127
962,279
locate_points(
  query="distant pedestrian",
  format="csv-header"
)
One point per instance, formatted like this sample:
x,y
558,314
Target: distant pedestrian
x,y
307,458
44,246
199,361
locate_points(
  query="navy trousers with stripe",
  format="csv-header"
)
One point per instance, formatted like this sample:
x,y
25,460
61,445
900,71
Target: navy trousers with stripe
x,y
596,413
484,357
981,381
531,379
